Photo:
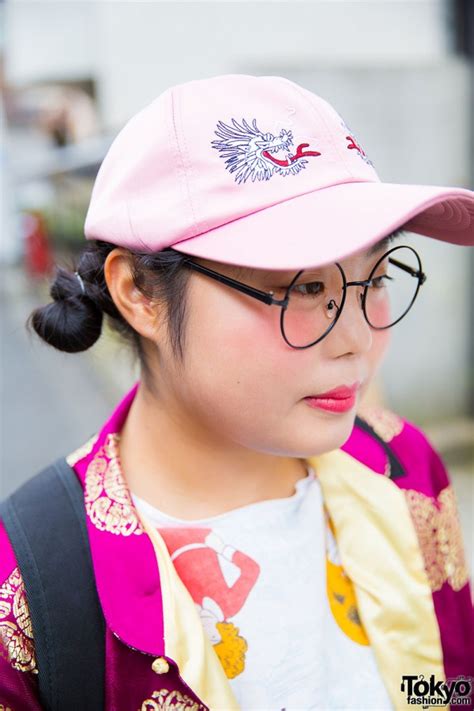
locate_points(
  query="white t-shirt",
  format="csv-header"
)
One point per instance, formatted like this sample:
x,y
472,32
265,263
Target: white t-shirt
x,y
257,575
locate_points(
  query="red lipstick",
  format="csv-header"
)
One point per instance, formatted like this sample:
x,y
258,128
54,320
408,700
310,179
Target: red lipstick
x,y
340,399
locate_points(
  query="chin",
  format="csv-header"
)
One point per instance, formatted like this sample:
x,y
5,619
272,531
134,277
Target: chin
x,y
327,441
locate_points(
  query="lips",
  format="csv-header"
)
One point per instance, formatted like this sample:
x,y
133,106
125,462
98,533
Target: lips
x,y
340,393
338,400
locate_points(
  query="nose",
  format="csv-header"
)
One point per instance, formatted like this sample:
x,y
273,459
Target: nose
x,y
352,333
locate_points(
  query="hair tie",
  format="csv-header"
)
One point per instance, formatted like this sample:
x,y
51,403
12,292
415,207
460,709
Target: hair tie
x,y
80,282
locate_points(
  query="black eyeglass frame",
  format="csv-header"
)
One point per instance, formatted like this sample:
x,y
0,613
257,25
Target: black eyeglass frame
x,y
267,296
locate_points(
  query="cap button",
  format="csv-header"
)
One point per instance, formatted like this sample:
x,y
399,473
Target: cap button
x,y
160,665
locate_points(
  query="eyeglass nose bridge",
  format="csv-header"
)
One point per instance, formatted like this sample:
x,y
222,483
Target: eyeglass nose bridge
x,y
363,282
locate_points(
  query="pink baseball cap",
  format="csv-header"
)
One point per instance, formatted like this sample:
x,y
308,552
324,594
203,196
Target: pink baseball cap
x,y
259,172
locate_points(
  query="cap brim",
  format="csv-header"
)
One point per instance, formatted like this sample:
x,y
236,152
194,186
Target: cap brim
x,y
335,222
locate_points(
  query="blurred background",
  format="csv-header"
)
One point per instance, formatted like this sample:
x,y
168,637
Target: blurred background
x,y
401,74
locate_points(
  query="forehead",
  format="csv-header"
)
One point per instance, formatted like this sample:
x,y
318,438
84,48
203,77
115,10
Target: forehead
x,y
376,249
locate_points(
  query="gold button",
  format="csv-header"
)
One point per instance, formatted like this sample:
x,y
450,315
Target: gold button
x,y
160,665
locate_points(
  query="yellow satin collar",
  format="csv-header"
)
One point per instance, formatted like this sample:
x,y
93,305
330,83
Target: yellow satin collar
x,y
186,641
380,553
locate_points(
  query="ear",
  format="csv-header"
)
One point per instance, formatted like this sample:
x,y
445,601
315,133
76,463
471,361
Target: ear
x,y
143,314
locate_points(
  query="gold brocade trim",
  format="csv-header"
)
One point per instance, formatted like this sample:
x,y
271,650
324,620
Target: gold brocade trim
x,y
108,501
166,700
16,635
439,532
386,424
81,451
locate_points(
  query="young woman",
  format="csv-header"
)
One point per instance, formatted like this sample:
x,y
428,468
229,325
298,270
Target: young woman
x,y
258,540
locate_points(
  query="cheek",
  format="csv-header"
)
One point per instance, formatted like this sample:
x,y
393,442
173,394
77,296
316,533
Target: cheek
x,y
237,365
232,327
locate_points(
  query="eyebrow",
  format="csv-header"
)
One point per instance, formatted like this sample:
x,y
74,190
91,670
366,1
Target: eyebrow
x,y
385,242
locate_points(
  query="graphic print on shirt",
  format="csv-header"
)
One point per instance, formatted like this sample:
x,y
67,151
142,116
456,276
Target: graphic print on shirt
x,y
219,579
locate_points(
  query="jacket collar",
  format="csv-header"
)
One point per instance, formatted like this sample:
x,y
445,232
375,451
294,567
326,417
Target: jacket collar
x,y
125,566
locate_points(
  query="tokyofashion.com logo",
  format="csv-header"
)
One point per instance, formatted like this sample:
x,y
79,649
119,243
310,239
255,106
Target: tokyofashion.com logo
x,y
429,692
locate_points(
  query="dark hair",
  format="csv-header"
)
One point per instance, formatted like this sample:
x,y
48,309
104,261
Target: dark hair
x,y
73,321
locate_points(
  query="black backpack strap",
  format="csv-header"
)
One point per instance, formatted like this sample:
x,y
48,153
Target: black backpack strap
x,y
46,524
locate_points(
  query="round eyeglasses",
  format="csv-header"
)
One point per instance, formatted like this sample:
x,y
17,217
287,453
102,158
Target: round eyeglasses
x,y
313,301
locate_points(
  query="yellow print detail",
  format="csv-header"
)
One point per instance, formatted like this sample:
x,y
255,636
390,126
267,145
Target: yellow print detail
x,y
168,700
340,590
231,649
107,498
16,633
439,533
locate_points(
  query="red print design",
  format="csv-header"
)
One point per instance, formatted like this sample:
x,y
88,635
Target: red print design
x,y
219,579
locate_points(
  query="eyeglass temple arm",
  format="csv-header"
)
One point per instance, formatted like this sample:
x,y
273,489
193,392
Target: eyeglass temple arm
x,y
414,272
267,298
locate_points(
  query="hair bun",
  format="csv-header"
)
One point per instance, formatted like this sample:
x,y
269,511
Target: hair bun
x,y
73,321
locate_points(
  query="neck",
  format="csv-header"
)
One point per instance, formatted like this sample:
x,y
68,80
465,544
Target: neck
x,y
186,472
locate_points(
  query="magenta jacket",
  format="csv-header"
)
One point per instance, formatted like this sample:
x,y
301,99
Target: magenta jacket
x,y
403,562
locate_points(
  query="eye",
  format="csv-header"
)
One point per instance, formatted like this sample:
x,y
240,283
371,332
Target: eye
x,y
311,288
377,282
